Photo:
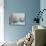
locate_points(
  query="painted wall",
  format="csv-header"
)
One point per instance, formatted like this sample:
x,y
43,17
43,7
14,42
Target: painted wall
x,y
43,6
29,7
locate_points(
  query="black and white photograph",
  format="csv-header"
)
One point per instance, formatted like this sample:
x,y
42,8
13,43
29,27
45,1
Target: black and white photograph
x,y
17,19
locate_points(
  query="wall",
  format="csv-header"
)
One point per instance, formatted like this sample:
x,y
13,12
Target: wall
x,y
1,21
29,7
43,6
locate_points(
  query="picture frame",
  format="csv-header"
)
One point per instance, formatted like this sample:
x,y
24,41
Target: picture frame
x,y
17,19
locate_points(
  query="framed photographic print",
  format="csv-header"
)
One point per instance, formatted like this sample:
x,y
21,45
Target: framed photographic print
x,y
17,19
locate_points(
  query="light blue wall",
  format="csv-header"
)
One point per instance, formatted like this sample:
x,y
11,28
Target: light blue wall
x,y
14,33
43,6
